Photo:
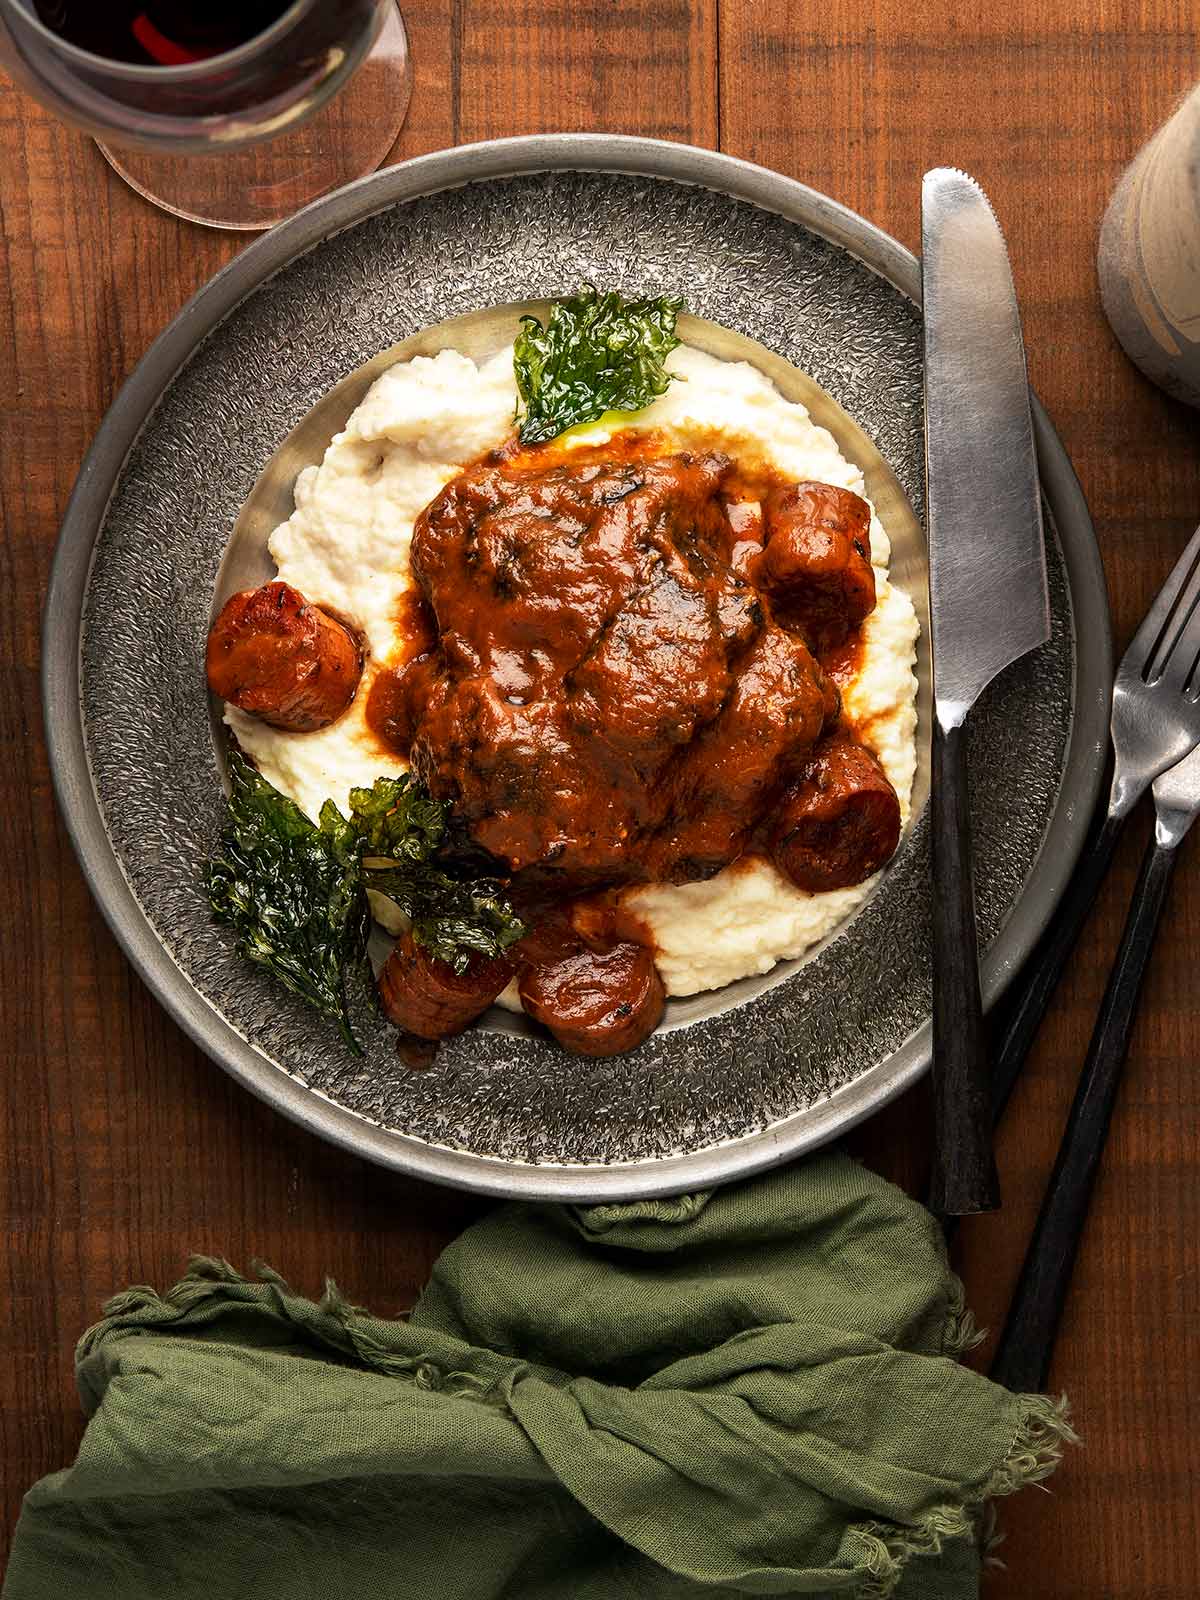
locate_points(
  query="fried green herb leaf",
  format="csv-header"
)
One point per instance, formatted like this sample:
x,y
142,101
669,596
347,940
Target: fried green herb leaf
x,y
453,918
294,891
455,913
398,817
597,353
291,891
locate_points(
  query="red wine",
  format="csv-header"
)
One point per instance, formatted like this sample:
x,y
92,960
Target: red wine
x,y
159,33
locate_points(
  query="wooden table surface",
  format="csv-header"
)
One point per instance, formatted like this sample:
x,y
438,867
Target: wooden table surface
x,y
122,1148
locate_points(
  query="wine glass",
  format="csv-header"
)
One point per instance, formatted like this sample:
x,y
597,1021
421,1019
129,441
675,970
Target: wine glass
x,y
233,113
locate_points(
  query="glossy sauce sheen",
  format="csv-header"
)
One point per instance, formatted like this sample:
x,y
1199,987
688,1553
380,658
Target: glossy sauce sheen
x,y
619,666
633,663
385,700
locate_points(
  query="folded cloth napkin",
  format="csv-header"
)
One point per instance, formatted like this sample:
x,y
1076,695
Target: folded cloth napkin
x,y
754,1392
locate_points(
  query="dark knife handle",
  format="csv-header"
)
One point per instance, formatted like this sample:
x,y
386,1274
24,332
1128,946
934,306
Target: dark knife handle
x,y
1023,1355
1024,1009
964,1167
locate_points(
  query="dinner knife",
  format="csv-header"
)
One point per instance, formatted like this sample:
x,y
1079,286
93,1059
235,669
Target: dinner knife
x,y
988,607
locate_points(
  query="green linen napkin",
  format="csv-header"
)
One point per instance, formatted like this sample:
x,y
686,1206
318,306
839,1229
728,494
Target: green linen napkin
x,y
752,1392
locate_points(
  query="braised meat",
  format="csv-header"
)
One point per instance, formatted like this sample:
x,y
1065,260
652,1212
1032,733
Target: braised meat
x,y
732,773
608,701
840,823
272,653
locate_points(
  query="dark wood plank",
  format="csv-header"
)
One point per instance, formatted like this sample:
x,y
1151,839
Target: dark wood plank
x,y
1044,103
608,66
122,1149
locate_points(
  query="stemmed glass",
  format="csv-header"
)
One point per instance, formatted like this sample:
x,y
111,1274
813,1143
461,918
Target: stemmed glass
x,y
314,96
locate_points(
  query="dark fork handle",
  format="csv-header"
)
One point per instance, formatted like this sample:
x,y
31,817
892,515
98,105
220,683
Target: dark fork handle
x,y
1023,1356
1040,976
964,1168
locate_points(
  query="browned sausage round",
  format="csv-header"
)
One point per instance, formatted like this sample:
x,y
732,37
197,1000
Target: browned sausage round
x,y
273,654
596,1004
427,997
840,823
816,564
550,938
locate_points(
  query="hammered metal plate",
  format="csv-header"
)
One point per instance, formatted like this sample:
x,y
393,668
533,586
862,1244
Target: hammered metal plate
x,y
776,1065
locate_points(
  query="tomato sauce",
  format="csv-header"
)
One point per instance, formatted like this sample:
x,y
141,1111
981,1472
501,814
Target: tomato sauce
x,y
641,651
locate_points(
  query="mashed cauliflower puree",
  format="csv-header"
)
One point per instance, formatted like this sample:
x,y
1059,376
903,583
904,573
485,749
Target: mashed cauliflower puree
x,y
346,546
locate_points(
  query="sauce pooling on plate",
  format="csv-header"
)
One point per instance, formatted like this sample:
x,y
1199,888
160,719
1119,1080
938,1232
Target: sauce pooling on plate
x,y
626,676
621,666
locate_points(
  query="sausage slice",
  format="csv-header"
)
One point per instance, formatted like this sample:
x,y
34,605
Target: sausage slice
x,y
427,997
274,654
596,1004
816,564
840,823
551,937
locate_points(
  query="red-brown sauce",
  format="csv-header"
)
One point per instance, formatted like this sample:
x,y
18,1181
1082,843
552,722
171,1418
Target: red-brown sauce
x,y
603,920
620,665
416,633
416,630
626,673
843,662
385,713
624,665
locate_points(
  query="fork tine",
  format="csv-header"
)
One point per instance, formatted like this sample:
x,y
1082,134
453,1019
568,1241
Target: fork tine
x,y
1184,650
1155,632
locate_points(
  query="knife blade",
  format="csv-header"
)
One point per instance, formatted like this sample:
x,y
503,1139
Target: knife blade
x,y
989,605
987,553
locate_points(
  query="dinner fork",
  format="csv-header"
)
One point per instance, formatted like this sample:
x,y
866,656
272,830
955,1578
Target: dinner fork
x,y
1023,1355
1155,723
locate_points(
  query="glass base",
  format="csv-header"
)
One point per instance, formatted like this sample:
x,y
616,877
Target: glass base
x,y
260,185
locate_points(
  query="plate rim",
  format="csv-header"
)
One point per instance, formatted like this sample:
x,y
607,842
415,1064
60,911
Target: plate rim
x,y
61,675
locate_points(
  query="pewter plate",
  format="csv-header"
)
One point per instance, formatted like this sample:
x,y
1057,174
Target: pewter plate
x,y
731,1084
482,335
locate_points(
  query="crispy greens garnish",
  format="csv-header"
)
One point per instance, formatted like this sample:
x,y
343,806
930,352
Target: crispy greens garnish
x,y
291,890
455,912
452,918
597,353
294,891
398,817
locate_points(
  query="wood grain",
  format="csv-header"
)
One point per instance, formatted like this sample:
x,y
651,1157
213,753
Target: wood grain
x,y
1044,103
122,1149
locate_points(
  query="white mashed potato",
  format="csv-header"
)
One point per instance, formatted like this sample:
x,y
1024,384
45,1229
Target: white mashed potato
x,y
347,544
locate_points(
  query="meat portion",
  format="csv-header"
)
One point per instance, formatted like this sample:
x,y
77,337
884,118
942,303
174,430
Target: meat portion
x,y
608,701
427,997
816,562
840,823
730,776
272,653
596,1003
